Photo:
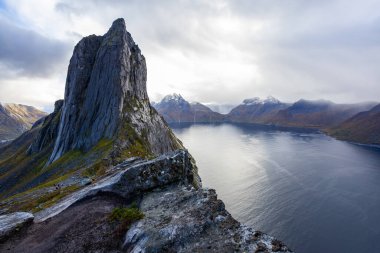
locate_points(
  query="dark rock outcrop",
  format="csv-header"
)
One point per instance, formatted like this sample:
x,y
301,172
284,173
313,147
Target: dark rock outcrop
x,y
49,129
183,219
12,223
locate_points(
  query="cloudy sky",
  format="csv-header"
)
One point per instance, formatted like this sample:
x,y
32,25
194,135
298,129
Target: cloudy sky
x,y
209,51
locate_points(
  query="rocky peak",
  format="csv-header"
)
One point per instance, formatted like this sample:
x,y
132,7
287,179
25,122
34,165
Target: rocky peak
x,y
174,98
105,89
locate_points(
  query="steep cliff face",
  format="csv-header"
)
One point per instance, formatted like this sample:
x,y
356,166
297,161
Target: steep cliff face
x,y
48,130
106,88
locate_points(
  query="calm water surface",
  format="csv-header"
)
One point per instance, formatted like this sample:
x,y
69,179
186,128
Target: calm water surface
x,y
313,192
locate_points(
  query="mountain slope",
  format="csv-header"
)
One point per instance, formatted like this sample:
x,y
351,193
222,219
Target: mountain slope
x,y
364,127
175,109
317,114
256,110
16,119
105,118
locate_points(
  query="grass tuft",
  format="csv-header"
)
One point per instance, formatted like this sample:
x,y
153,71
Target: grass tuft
x,y
125,216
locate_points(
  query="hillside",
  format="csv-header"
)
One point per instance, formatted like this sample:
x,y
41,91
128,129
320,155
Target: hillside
x,y
256,110
364,127
317,114
16,119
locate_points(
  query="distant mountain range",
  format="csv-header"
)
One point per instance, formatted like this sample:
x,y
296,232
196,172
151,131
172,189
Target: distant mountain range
x,y
175,109
256,110
319,114
16,119
358,122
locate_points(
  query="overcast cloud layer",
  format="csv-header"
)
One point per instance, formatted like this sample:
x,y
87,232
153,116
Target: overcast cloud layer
x,y
209,51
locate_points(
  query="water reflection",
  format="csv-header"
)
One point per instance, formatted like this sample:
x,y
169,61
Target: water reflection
x,y
315,193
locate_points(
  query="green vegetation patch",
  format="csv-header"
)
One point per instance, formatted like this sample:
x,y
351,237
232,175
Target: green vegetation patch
x,y
126,214
124,217
38,203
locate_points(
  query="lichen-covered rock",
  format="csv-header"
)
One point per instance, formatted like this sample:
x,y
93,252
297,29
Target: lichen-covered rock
x,y
181,218
133,178
11,223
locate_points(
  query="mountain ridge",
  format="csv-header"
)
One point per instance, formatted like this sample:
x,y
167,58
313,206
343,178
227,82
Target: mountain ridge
x,y
175,109
16,119
327,116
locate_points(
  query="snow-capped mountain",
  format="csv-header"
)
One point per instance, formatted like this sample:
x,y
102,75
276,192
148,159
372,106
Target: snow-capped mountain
x,y
175,109
256,110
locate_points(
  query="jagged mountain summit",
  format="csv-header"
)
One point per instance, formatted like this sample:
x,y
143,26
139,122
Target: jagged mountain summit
x,y
16,119
110,71
104,118
175,109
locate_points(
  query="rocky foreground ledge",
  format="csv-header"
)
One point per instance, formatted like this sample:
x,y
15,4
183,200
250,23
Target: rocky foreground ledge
x,y
177,215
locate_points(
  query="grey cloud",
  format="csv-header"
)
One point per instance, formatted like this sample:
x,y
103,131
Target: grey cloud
x,y
310,49
26,53
307,49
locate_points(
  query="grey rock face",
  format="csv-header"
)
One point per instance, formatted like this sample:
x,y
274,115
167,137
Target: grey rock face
x,y
106,88
10,223
183,219
135,177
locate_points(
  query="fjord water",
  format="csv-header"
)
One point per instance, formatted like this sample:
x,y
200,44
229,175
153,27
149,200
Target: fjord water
x,y
313,192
